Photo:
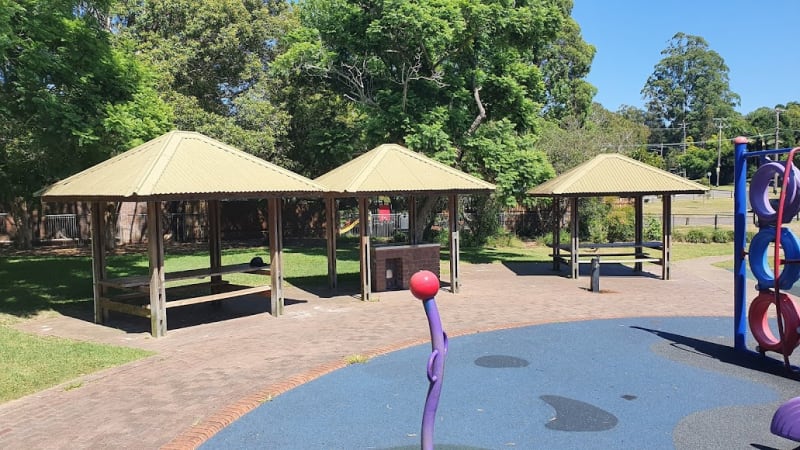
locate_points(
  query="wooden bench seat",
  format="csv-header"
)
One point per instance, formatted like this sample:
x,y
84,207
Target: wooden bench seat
x,y
607,253
143,281
135,290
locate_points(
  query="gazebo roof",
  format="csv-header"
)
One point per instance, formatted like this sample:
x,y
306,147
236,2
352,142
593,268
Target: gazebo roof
x,y
614,174
180,165
391,168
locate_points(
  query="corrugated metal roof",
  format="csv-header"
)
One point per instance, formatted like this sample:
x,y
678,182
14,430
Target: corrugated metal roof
x,y
181,165
614,174
392,168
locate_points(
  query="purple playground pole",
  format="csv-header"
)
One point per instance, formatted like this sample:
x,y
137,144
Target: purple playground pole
x,y
424,286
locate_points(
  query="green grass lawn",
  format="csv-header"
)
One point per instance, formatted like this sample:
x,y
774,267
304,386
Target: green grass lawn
x,y
31,363
31,286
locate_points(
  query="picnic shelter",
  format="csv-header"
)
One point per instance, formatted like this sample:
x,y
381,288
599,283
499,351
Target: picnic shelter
x,y
612,174
393,170
180,165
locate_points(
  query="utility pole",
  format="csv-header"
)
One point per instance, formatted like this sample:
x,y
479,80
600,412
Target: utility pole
x,y
778,112
720,122
683,124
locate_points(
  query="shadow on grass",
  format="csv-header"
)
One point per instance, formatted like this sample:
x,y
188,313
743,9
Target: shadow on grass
x,y
33,284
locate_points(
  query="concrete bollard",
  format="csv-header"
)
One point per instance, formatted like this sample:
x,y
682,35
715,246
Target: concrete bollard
x,y
595,283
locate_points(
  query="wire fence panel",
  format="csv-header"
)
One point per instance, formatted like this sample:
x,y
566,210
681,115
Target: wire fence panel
x,y
61,227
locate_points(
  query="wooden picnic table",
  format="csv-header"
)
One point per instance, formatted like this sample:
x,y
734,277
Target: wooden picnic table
x,y
620,253
133,298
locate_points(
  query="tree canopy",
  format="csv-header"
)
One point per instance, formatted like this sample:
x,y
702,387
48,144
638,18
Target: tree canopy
x,y
468,83
687,90
495,88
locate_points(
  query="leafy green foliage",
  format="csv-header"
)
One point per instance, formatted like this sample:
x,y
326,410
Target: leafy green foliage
x,y
463,82
65,90
689,85
211,58
498,153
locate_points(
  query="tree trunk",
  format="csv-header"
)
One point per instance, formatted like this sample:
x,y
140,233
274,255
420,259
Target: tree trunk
x,y
20,211
425,206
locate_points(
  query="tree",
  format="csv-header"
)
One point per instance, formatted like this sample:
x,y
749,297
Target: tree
x,y
211,58
687,90
763,123
576,141
68,98
455,80
565,63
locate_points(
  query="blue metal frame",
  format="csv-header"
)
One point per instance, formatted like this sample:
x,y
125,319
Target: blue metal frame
x,y
740,236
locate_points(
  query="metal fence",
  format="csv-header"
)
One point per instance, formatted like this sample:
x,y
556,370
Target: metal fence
x,y
381,225
179,227
182,227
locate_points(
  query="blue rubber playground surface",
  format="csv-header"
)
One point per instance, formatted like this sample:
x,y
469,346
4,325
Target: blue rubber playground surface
x,y
634,383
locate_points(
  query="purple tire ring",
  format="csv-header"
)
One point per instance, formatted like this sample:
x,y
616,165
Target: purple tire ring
x,y
759,193
786,420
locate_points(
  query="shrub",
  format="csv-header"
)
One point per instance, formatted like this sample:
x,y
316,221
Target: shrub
x,y
698,236
652,229
484,223
620,224
722,236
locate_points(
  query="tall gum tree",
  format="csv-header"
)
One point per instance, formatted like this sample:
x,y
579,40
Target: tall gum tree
x,y
687,90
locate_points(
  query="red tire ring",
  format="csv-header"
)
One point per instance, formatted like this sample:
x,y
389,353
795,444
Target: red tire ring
x,y
759,193
759,322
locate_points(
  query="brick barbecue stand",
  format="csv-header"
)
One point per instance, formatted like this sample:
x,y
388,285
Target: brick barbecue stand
x,y
393,265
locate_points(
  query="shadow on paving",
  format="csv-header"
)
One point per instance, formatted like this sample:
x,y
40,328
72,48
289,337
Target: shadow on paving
x,y
725,354
197,314
546,269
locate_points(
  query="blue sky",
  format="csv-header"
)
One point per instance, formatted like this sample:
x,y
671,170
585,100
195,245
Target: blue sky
x,y
758,39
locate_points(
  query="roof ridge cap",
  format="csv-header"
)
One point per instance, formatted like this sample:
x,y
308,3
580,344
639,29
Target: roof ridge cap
x,y
159,165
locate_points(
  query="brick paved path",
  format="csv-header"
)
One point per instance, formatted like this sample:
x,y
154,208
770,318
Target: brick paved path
x,y
205,376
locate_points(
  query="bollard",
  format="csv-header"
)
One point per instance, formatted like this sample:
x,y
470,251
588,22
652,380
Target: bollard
x,y
595,283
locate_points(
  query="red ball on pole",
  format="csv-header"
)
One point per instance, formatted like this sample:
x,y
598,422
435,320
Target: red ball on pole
x,y
424,284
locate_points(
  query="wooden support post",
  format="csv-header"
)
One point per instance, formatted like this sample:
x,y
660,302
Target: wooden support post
x,y
574,240
155,245
274,215
666,237
98,225
364,232
412,219
556,233
638,225
214,238
331,232
455,250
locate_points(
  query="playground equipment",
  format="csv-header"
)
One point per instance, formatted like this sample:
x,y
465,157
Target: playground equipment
x,y
424,285
785,421
772,217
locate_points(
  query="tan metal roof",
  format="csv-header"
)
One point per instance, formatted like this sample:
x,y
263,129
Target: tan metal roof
x,y
614,174
181,165
392,168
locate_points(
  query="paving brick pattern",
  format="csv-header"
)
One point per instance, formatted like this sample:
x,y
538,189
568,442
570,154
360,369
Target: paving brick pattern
x,y
205,376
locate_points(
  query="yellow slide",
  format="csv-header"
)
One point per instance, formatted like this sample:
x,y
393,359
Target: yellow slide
x,y
349,227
